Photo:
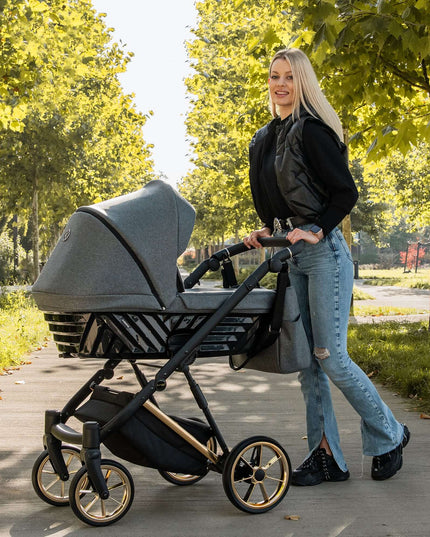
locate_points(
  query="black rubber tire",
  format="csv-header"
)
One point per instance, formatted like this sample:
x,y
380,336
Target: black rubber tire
x,y
257,474
111,510
55,492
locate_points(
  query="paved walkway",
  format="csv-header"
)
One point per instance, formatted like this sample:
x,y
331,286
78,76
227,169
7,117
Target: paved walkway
x,y
244,404
392,296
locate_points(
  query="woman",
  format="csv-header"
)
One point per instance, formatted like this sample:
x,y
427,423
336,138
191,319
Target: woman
x,y
301,186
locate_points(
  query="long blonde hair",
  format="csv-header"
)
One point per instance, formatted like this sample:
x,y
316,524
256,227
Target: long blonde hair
x,y
307,91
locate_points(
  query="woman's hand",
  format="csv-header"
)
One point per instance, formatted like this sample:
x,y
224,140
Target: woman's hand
x,y
300,234
252,238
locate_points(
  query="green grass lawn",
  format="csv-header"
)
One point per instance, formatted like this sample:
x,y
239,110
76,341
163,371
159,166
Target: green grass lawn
x,y
22,329
420,280
395,354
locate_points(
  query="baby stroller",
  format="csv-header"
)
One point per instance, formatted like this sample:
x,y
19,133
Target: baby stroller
x,y
111,290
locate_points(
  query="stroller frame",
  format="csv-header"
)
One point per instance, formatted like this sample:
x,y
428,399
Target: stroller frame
x,y
232,464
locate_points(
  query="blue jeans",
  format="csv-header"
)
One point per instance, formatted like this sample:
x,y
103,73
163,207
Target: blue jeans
x,y
322,276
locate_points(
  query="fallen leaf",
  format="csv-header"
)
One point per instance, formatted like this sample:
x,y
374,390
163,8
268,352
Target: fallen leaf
x,y
28,362
305,437
292,517
20,382
120,378
425,417
1,398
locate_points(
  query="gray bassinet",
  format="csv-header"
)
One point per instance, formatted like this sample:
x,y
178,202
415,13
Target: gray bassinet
x,y
121,255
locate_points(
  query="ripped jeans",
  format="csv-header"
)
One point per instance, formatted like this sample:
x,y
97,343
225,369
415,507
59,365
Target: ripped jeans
x,y
322,276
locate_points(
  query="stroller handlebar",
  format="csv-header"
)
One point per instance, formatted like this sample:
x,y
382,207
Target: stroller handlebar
x,y
213,263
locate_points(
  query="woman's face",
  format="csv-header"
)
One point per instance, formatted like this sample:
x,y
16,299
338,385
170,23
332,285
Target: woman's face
x,y
281,86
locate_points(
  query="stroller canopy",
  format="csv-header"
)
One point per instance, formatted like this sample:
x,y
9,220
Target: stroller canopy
x,y
118,255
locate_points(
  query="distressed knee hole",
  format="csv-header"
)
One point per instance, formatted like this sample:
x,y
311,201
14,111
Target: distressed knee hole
x,y
321,353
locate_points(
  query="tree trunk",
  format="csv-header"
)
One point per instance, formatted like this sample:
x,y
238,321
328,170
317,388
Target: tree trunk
x,y
15,248
35,221
262,258
236,257
346,222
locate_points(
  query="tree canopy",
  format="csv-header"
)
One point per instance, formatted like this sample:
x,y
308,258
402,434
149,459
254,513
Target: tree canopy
x,y
372,60
226,109
70,135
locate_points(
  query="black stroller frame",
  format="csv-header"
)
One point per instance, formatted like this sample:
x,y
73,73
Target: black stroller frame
x,y
67,474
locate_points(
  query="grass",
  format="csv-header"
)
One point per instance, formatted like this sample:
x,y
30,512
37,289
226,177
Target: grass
x,y
380,311
22,329
397,355
396,277
359,294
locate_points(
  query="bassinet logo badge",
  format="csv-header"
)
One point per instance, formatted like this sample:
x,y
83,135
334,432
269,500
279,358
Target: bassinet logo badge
x,y
67,234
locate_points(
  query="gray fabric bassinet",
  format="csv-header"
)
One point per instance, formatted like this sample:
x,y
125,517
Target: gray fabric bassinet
x,y
119,255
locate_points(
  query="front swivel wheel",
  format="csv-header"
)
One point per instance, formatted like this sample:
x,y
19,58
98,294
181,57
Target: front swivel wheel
x,y
86,502
257,474
47,483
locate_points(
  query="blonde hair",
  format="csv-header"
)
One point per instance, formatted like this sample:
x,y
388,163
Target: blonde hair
x,y
307,91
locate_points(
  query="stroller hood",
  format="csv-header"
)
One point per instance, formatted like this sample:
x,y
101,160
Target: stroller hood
x,y
119,254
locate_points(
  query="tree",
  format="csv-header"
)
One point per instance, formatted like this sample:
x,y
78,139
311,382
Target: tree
x,y
372,61
373,57
371,216
80,137
228,104
404,179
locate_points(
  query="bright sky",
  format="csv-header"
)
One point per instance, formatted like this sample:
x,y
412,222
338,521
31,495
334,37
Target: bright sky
x,y
155,32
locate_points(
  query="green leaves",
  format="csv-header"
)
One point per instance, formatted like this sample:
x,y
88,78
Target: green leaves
x,y
229,102
373,61
379,53
65,124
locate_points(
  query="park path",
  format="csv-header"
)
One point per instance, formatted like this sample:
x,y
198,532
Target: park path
x,y
244,404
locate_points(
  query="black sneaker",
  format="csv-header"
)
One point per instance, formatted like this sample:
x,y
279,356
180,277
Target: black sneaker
x,y
318,467
386,465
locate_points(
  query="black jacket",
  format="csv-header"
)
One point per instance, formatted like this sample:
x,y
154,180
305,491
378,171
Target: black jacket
x,y
306,192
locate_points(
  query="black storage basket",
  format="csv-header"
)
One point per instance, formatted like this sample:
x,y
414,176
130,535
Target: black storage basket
x,y
144,439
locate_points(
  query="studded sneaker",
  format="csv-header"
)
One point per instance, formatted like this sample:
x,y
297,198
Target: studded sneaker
x,y
318,467
386,465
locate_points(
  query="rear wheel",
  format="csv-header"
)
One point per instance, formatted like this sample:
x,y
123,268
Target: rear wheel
x,y
257,474
188,479
47,483
86,502
181,479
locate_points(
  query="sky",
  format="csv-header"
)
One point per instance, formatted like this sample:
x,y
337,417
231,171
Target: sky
x,y
156,32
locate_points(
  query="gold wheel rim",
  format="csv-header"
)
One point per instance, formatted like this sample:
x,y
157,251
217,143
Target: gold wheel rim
x,y
49,481
263,476
92,506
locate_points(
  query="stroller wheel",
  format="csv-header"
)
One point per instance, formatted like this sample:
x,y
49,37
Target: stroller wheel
x,y
87,504
47,484
257,474
188,479
181,479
